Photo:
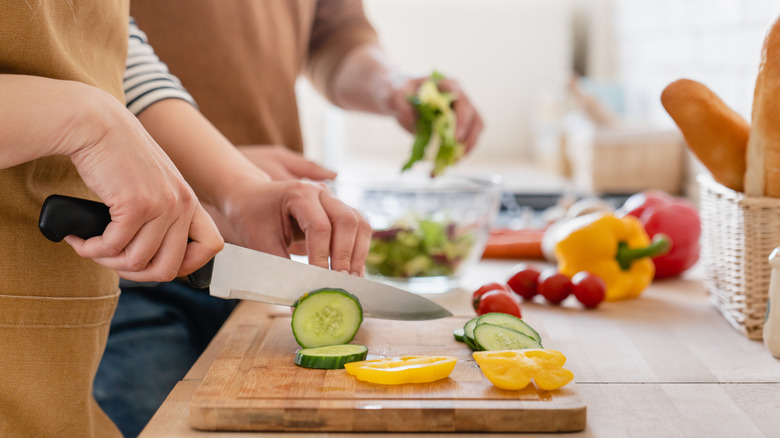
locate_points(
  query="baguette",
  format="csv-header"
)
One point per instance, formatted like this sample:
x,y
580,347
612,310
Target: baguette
x,y
762,177
715,133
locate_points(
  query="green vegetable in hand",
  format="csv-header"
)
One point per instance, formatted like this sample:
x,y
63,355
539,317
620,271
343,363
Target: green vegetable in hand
x,y
436,122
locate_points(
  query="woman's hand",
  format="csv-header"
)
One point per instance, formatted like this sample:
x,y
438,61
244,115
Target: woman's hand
x,y
271,217
252,210
153,210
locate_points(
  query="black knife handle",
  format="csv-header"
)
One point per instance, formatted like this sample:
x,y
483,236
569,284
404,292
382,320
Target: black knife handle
x,y
64,216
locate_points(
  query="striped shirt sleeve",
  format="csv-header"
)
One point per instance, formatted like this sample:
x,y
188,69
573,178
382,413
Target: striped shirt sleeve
x,y
147,79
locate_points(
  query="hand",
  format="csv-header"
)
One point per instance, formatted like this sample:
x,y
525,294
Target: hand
x,y
469,122
153,210
270,217
282,164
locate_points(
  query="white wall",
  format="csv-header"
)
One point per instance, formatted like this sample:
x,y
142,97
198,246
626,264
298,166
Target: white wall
x,y
506,53
717,42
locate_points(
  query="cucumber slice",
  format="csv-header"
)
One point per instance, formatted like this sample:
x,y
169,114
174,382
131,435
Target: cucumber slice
x,y
471,344
468,328
468,333
494,337
459,334
328,316
330,357
510,321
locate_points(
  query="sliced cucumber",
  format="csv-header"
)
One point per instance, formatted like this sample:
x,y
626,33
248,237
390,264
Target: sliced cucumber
x,y
327,316
495,337
509,321
330,357
459,334
468,333
471,344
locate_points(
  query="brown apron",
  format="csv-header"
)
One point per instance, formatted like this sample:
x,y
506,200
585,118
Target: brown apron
x,y
55,307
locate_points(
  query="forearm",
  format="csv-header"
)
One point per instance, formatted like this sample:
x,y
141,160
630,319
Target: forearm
x,y
152,209
208,161
366,79
203,155
41,117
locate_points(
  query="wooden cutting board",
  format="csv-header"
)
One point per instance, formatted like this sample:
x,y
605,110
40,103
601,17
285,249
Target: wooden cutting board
x,y
253,385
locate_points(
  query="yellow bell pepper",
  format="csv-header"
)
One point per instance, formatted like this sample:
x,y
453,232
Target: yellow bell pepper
x,y
514,369
616,249
403,369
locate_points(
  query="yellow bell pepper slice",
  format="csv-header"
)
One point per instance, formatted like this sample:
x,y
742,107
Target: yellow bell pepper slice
x,y
402,369
514,369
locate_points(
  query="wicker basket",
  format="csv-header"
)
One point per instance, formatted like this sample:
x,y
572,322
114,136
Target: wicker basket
x,y
738,235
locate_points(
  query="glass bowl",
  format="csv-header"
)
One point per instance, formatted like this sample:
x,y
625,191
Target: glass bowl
x,y
427,232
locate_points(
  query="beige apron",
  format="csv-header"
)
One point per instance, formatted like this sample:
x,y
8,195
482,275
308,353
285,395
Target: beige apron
x,y
55,307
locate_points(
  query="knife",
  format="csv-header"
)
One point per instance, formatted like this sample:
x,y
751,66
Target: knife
x,y
242,273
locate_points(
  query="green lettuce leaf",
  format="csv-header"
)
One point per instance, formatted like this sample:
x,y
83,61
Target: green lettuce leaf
x,y
435,124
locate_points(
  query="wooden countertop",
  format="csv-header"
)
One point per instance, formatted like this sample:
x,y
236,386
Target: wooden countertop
x,y
664,365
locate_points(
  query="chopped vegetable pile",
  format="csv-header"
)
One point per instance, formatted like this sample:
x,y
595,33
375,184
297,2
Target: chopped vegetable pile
x,y
436,121
422,249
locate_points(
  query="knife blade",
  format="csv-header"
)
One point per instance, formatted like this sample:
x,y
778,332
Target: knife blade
x,y
241,273
253,275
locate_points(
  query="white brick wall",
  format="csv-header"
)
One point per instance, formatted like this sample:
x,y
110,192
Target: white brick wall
x,y
717,42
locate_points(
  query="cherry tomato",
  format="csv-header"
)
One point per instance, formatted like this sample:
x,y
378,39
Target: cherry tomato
x,y
554,286
475,297
525,282
589,289
499,301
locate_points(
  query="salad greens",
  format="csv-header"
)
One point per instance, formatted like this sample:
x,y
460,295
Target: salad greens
x,y
424,249
436,122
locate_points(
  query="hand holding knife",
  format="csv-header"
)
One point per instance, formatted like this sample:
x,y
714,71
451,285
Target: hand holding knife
x,y
243,273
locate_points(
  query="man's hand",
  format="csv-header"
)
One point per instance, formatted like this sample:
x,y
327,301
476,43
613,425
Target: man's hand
x,y
469,123
368,80
282,164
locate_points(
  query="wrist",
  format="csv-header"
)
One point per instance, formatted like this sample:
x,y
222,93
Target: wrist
x,y
232,194
91,117
395,93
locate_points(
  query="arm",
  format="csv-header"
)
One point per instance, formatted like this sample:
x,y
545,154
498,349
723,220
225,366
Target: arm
x,y
250,210
152,208
267,216
147,81
346,63
367,80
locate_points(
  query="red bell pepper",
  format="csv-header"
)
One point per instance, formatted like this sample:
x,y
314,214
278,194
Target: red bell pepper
x,y
660,212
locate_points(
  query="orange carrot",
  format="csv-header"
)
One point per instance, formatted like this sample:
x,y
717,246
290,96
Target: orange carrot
x,y
514,244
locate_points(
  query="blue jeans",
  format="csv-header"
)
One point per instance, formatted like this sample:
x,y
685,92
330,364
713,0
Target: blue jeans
x,y
157,333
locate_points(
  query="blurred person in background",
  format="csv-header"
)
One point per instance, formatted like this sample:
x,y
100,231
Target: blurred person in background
x,y
240,61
